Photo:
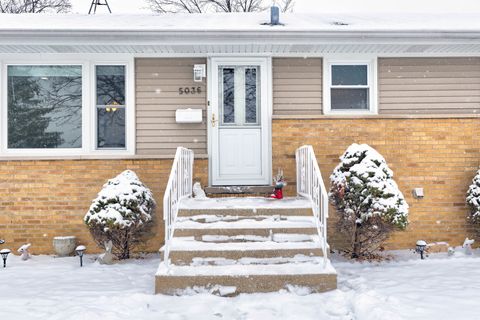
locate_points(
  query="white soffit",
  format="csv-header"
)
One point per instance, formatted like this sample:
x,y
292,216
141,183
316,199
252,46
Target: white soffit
x,y
263,49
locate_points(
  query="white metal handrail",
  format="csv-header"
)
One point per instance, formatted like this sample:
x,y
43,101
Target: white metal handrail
x,y
311,186
179,187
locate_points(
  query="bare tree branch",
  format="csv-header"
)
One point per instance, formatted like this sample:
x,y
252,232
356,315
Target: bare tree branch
x,y
189,6
199,6
286,5
35,6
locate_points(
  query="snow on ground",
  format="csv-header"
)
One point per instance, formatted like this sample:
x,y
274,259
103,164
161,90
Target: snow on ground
x,y
408,288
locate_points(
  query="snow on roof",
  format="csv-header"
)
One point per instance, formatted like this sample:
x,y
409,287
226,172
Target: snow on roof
x,y
216,22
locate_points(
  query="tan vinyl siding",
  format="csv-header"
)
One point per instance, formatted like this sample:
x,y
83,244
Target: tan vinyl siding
x,y
429,85
297,86
157,98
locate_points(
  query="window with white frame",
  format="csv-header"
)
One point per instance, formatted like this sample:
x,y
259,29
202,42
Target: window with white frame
x,y
110,104
82,107
350,87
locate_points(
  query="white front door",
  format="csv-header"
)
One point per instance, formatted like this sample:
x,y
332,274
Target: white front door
x,y
239,122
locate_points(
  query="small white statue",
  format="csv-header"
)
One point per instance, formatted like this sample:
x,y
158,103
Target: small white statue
x,y
451,251
198,192
107,257
467,245
23,250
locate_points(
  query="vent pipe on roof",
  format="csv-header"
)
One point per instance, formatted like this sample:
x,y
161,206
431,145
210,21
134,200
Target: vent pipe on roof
x,y
274,15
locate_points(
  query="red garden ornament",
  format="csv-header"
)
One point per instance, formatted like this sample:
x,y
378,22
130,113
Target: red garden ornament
x,y
279,181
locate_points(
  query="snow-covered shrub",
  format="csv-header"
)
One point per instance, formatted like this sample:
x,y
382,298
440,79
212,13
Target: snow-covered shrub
x,y
473,200
367,199
122,212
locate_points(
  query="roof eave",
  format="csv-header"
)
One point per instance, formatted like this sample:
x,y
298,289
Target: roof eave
x,y
146,37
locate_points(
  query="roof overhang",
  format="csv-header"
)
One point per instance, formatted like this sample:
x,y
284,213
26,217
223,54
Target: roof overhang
x,y
147,42
242,33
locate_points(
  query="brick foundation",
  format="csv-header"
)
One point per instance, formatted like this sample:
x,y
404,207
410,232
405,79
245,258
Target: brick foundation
x,y
43,199
439,155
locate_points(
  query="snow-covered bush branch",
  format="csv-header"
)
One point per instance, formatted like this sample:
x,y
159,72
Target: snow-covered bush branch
x,y
122,212
367,198
473,199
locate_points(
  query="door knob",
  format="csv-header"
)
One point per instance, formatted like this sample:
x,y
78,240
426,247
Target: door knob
x,y
214,120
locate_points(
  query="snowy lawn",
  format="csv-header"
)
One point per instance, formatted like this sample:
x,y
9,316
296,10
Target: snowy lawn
x,y
56,288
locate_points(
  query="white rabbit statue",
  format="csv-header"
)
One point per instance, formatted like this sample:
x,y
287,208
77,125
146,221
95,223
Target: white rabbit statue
x,y
467,245
107,257
198,192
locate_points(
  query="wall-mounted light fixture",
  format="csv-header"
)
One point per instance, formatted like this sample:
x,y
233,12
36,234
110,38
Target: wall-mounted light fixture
x,y
199,72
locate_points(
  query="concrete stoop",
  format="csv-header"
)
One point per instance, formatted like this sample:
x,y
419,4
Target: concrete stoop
x,y
247,245
174,285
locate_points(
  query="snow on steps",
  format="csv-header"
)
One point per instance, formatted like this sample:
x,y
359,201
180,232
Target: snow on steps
x,y
299,258
248,206
277,237
245,203
199,226
248,244
247,278
184,250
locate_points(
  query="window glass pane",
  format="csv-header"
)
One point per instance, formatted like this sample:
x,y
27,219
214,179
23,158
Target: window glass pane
x,y
111,127
110,85
349,75
228,95
345,99
251,95
110,106
44,107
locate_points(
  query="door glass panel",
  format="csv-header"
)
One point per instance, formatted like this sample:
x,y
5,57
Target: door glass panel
x,y
251,95
227,93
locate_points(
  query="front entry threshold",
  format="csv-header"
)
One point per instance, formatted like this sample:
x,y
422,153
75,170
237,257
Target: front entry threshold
x,y
239,189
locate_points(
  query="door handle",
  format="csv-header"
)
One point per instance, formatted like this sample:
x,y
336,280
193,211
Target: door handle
x,y
214,120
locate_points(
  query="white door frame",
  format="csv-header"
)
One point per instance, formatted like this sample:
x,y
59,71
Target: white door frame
x,y
265,64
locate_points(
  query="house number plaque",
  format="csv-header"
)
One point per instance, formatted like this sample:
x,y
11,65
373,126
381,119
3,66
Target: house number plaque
x,y
189,90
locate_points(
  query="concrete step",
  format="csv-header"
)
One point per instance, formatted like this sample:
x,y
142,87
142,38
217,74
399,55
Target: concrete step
x,y
248,207
246,278
197,226
199,233
299,258
237,190
183,251
276,237
246,212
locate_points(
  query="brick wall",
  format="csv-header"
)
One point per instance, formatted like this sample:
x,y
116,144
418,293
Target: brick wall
x,y
43,199
439,155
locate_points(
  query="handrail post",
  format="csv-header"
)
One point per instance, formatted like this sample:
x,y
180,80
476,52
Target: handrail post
x,y
179,187
311,186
